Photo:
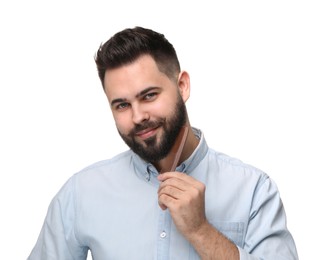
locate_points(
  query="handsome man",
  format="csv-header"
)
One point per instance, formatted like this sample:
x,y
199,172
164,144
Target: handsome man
x,y
133,206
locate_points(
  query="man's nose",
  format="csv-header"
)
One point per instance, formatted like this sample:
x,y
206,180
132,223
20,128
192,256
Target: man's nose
x,y
139,114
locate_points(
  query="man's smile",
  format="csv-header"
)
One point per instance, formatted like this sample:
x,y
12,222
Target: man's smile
x,y
147,133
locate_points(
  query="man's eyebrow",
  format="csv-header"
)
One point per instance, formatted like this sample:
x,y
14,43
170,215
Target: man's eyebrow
x,y
145,91
118,100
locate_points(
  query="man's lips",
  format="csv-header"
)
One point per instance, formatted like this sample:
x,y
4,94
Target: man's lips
x,y
146,133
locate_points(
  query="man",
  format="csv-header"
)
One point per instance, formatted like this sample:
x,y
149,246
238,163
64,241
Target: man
x,y
133,206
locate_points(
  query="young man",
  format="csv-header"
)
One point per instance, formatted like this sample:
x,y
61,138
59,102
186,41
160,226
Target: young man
x,y
134,206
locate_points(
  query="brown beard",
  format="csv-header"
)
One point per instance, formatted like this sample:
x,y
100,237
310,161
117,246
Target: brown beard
x,y
151,150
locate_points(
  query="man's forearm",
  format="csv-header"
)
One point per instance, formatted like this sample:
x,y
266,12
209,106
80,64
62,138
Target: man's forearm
x,y
212,245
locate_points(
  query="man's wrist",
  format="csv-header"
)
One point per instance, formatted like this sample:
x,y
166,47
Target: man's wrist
x,y
211,244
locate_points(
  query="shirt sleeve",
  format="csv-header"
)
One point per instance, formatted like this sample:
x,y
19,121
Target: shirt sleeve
x,y
267,236
57,238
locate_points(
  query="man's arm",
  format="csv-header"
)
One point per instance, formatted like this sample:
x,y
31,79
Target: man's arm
x,y
185,198
266,237
57,239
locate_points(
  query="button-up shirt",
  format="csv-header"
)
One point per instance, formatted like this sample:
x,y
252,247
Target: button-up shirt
x,y
111,208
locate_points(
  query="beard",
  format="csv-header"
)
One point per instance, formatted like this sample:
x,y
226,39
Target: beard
x,y
152,150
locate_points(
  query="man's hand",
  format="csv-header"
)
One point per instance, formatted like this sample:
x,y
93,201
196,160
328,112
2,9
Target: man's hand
x,y
185,198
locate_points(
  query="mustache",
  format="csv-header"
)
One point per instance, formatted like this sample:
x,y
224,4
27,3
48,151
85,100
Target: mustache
x,y
145,125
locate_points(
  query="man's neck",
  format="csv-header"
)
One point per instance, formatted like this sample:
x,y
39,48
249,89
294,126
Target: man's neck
x,y
184,146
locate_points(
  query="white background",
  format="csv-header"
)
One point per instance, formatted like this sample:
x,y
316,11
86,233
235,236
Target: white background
x,y
260,74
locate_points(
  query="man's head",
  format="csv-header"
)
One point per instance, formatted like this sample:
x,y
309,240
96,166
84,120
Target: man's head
x,y
141,76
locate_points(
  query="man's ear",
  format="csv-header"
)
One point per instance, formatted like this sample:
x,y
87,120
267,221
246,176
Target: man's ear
x,y
184,86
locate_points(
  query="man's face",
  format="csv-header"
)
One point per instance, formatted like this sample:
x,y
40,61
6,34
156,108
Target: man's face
x,y
147,107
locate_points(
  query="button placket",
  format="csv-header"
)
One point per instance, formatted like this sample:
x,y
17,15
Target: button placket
x,y
163,234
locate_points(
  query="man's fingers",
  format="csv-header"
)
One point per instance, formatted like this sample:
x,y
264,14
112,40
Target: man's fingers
x,y
181,181
174,185
162,205
177,175
178,189
168,194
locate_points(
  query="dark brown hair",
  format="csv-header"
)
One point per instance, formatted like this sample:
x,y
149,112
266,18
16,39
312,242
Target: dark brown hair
x,y
128,45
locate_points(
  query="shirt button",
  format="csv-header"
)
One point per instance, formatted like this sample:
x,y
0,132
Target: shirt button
x,y
163,234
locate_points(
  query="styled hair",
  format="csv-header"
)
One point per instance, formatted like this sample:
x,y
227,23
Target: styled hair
x,y
128,45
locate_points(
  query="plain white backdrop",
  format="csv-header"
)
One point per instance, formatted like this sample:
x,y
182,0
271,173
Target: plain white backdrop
x,y
260,78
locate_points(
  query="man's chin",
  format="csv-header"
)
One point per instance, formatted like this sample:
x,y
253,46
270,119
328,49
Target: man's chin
x,y
150,142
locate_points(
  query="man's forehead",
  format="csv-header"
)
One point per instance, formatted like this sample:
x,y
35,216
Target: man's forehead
x,y
141,69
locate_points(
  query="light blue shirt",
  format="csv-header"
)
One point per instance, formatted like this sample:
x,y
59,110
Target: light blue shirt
x,y
111,208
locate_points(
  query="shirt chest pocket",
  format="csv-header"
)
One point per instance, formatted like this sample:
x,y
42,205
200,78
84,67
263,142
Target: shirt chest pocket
x,y
234,231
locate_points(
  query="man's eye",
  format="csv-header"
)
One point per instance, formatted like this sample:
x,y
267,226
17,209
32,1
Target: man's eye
x,y
122,106
150,96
